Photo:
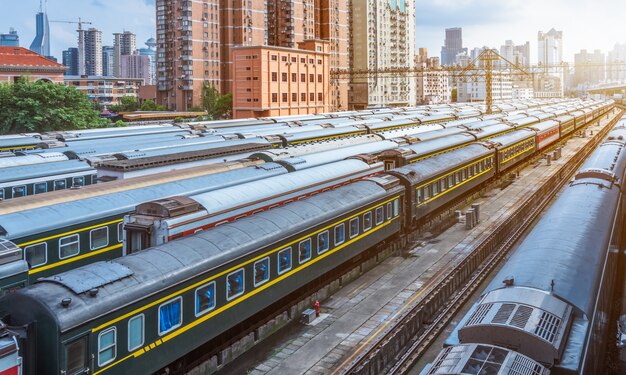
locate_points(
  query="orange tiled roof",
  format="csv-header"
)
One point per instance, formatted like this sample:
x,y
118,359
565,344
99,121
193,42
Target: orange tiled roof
x,y
22,57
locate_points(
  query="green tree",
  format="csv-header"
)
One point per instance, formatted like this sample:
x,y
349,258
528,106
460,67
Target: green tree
x,y
217,106
27,106
224,106
151,106
127,104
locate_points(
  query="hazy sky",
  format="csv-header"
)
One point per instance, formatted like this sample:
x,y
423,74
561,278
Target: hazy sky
x,y
585,23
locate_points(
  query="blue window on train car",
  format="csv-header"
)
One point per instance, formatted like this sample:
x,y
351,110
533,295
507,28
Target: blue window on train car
x,y
339,234
59,184
261,271
322,242
69,246
40,187
136,333
284,260
205,298
304,251
170,315
107,340
235,284
354,227
78,181
19,191
380,215
36,255
367,221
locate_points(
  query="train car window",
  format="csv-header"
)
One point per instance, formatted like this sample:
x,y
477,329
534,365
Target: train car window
x,y
107,346
78,181
442,185
99,238
234,284
136,334
261,271
463,174
322,242
40,187
59,184
396,207
426,190
205,298
19,191
367,221
304,251
36,255
419,195
435,186
380,215
170,315
451,181
76,356
458,177
389,213
354,227
1,194
120,232
69,246
284,260
339,235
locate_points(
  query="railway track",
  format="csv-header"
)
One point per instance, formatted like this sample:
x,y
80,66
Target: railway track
x,y
405,339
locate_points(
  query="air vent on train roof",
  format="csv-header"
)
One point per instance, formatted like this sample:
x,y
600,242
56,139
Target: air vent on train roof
x,y
168,207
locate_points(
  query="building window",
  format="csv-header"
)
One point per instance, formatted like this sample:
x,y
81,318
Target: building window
x,y
293,59
283,58
311,77
319,97
302,60
285,97
294,97
294,77
274,97
284,77
319,78
274,58
302,77
303,97
312,97
274,76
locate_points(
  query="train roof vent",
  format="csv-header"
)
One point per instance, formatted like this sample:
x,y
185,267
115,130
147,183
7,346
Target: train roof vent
x,y
90,277
601,174
168,207
523,365
535,322
9,252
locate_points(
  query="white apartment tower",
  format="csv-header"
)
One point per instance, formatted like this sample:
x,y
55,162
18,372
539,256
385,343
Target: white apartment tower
x,y
549,54
383,37
90,52
123,44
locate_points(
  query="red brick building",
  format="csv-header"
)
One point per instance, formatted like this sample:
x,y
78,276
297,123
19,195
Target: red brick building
x,y
16,62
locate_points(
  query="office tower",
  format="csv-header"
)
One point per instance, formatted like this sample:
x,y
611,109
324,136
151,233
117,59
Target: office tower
x,y
41,43
108,62
453,45
516,54
70,59
11,39
589,68
615,62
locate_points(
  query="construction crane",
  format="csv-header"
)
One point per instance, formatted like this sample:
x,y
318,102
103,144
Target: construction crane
x,y
79,23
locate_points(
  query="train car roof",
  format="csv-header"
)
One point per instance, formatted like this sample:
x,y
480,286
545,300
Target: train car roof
x,y
513,137
43,157
52,169
425,169
45,218
126,280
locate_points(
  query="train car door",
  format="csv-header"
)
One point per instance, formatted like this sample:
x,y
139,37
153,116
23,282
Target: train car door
x,y
75,358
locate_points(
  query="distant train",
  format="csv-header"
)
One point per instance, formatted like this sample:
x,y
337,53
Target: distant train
x,y
138,313
548,309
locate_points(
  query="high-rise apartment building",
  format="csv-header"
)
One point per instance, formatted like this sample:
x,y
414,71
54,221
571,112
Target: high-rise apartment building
x,y
589,67
70,60
615,61
453,45
11,39
476,91
432,84
150,51
41,43
383,37
136,66
240,23
550,54
123,44
90,52
188,50
290,21
517,54
108,62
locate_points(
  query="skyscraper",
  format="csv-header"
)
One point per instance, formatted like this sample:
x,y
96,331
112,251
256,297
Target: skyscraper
x,y
453,45
517,54
70,59
383,37
124,44
550,47
90,52
108,62
41,43
589,67
136,66
150,51
12,39
615,58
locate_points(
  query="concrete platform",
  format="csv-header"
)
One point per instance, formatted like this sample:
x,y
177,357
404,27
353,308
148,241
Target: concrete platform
x,y
365,307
